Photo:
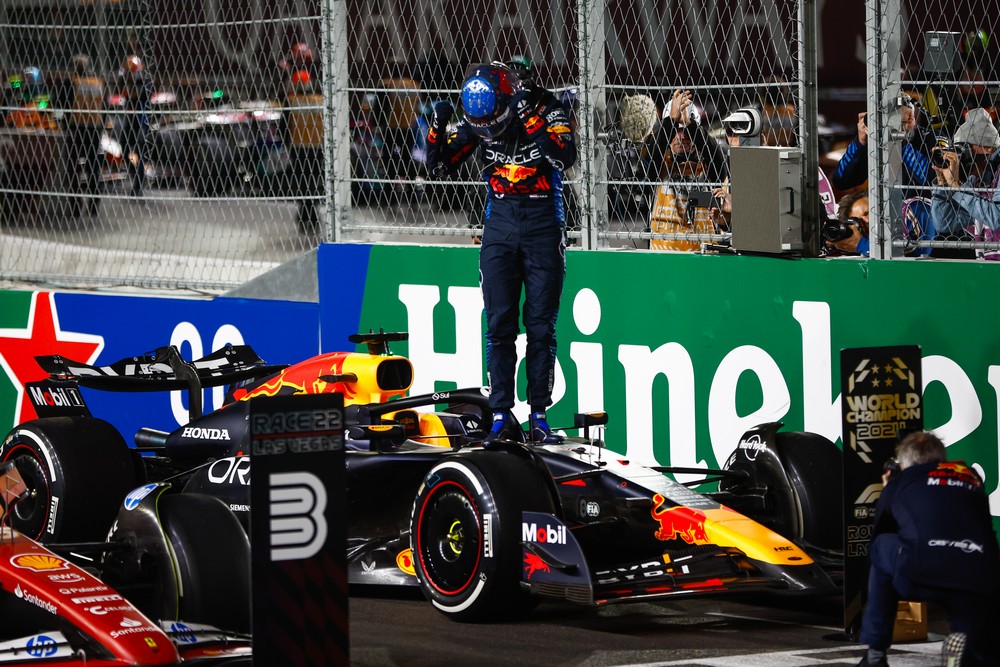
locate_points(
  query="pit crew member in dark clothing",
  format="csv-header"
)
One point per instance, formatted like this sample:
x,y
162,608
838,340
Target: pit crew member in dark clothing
x,y
525,143
933,541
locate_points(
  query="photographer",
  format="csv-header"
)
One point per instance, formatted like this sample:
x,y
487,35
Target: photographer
x,y
690,159
852,169
966,199
933,541
848,233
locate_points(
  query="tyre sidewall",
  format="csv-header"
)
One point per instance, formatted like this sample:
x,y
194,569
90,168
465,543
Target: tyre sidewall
x,y
457,475
499,486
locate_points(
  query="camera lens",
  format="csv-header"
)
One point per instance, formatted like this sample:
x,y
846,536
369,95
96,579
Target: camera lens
x,y
938,159
835,230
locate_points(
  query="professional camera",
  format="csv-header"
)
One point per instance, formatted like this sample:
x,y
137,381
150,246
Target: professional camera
x,y
744,122
943,145
891,467
835,229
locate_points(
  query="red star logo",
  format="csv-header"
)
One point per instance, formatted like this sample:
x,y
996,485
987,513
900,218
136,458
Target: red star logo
x,y
19,347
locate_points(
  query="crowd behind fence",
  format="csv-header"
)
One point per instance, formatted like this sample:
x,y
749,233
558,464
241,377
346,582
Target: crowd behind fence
x,y
200,144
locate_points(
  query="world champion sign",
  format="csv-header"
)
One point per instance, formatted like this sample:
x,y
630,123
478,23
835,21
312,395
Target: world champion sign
x,y
882,392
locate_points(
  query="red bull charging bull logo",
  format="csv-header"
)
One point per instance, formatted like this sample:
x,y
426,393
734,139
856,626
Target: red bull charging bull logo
x,y
514,173
678,522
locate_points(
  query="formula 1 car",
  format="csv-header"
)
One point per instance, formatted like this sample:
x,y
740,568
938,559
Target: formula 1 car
x,y
484,530
57,612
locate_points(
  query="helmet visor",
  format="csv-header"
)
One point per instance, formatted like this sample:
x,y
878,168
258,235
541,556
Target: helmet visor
x,y
490,127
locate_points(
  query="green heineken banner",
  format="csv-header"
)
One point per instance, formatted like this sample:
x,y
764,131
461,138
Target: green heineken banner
x,y
881,388
686,353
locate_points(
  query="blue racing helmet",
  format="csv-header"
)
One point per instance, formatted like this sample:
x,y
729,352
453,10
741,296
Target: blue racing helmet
x,y
486,96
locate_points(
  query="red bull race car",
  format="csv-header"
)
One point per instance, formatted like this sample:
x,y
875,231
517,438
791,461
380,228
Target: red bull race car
x,y
484,530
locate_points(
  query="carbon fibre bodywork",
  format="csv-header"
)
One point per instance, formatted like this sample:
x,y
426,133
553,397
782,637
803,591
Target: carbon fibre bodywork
x,y
430,505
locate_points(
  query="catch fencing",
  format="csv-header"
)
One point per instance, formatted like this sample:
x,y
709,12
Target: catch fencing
x,y
217,186
940,60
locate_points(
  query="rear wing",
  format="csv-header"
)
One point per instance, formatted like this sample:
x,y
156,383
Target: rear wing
x,y
163,369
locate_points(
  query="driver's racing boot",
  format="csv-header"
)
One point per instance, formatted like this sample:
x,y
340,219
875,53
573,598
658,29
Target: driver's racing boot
x,y
505,427
540,431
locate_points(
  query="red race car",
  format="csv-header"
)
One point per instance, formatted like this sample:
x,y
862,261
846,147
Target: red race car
x,y
57,613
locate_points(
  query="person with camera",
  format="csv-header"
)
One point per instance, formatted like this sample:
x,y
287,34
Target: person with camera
x,y
933,540
852,169
525,141
966,199
690,162
847,234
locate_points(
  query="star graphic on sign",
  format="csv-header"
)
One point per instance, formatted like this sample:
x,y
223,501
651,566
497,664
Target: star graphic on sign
x,y
874,369
875,382
43,336
888,382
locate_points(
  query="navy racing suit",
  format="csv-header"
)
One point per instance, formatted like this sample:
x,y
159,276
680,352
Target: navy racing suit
x,y
523,243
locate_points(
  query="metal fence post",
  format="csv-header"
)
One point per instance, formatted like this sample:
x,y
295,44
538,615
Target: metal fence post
x,y
336,118
808,132
593,106
884,159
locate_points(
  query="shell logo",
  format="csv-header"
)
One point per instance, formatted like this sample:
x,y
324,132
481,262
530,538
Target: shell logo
x,y
404,561
38,562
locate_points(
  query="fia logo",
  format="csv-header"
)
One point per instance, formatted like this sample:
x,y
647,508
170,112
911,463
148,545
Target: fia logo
x,y
297,502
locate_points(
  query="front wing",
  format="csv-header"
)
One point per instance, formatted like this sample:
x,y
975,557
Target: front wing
x,y
555,566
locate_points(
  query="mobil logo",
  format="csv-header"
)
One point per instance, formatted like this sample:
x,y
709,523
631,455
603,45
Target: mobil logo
x,y
678,522
543,533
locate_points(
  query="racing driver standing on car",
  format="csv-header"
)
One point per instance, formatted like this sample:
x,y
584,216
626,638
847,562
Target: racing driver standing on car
x,y
525,143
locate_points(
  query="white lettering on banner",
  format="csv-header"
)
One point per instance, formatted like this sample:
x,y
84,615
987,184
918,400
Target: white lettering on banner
x,y
588,357
725,424
966,411
820,414
821,406
465,365
994,378
184,332
642,367
186,336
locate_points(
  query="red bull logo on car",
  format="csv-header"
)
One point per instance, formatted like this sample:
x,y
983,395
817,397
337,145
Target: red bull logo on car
x,y
514,173
678,522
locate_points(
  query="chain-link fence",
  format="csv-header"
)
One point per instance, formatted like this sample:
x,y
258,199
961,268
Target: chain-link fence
x,y
931,114
169,143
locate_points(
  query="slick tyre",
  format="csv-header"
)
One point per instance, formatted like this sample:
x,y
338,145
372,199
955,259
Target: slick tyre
x,y
211,552
792,484
465,534
78,470
814,467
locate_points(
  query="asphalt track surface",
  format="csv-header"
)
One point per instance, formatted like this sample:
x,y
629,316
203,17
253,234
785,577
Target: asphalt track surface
x,y
404,630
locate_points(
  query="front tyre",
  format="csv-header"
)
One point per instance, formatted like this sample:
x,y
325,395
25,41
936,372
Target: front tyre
x,y
465,533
